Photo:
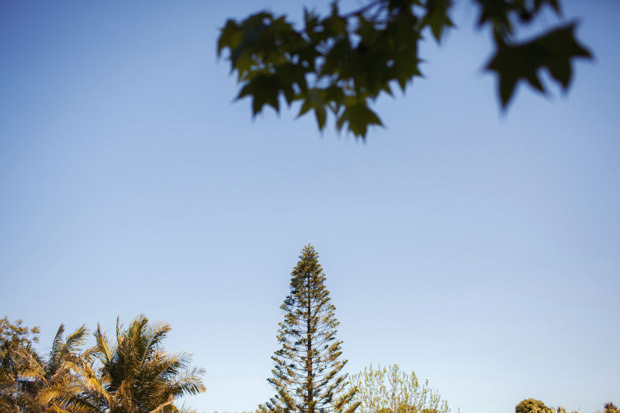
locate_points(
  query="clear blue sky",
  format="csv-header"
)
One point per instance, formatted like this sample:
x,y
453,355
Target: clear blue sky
x,y
479,249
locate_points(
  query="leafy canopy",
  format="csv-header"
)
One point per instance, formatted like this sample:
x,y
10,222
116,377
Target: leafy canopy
x,y
532,406
19,362
342,62
611,408
391,390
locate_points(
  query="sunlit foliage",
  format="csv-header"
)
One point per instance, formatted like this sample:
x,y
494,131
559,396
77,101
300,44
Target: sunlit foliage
x,y
19,364
532,406
135,374
391,390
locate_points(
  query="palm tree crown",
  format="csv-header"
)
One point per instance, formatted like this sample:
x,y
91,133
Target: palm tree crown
x,y
135,375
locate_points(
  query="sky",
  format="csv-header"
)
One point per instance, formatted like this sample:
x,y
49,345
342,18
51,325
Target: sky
x,y
476,247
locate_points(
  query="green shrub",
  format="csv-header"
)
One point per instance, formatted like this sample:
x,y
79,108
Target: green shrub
x,y
532,406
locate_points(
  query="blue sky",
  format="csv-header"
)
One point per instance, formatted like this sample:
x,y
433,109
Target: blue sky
x,y
477,248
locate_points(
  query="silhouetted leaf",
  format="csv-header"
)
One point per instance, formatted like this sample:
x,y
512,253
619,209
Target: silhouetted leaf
x,y
358,117
437,17
553,51
265,90
314,100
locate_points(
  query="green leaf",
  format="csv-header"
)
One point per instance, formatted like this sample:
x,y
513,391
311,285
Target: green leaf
x,y
335,24
290,75
562,46
495,12
437,17
554,4
358,117
553,50
229,36
314,100
265,90
404,34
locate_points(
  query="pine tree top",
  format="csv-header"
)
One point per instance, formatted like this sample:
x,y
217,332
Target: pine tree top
x,y
306,375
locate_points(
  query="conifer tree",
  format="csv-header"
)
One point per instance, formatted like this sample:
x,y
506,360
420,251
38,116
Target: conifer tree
x,y
306,375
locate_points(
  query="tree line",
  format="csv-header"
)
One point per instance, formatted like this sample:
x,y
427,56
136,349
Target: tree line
x,y
135,374
537,406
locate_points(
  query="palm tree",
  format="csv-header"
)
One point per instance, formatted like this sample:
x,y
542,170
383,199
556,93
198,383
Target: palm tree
x,y
57,373
135,375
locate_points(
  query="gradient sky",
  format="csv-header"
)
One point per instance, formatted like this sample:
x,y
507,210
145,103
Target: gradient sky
x,y
477,248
